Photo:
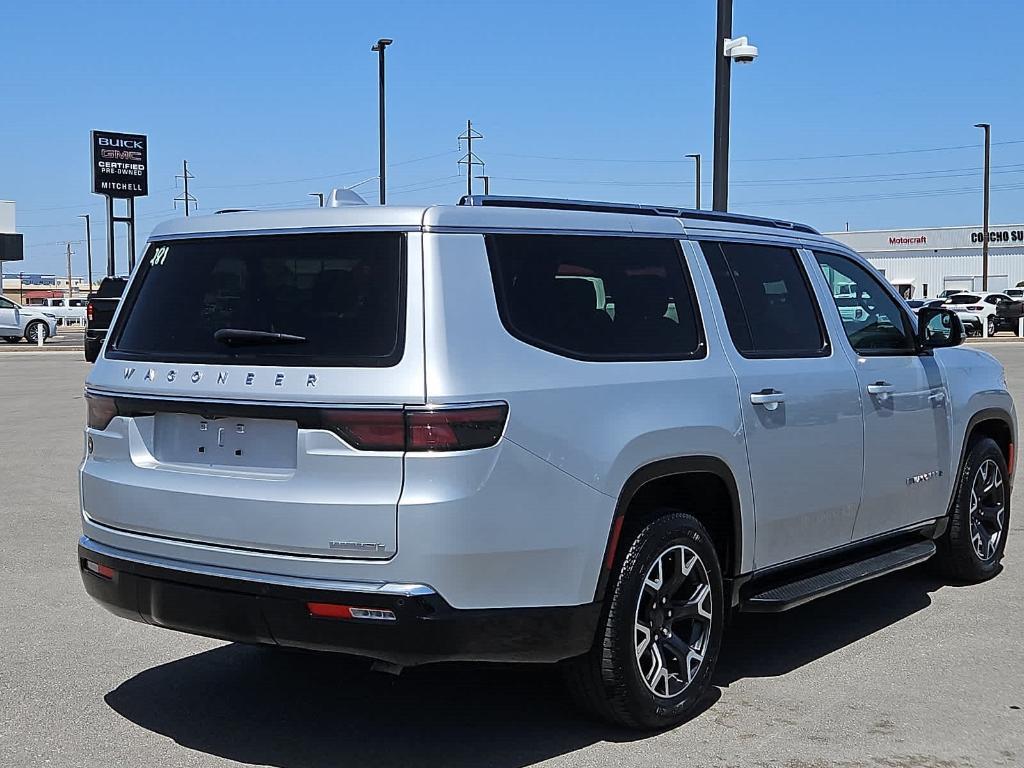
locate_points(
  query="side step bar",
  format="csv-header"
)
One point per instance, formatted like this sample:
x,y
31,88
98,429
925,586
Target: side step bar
x,y
782,597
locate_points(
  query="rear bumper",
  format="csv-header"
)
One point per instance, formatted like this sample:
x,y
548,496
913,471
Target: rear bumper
x,y
250,610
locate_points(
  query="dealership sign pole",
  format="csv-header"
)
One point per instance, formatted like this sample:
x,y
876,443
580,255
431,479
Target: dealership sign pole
x,y
120,169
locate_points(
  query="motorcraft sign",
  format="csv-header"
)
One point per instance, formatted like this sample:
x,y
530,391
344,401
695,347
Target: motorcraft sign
x,y
120,165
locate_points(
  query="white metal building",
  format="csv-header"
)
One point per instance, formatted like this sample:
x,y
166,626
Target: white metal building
x,y
940,258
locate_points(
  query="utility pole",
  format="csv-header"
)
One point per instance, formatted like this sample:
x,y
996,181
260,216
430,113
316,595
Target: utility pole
x,y
696,195
469,159
988,170
487,184
185,198
88,246
379,47
69,276
318,195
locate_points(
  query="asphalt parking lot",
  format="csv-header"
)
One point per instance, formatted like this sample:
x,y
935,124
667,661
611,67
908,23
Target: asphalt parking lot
x,y
902,672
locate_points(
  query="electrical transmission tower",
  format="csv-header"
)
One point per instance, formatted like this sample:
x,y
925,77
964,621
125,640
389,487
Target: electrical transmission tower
x,y
470,158
185,198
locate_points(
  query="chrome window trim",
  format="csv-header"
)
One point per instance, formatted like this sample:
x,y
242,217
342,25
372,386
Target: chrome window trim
x,y
281,231
365,587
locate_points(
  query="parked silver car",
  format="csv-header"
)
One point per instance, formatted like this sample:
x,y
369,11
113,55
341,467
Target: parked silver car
x,y
526,430
18,322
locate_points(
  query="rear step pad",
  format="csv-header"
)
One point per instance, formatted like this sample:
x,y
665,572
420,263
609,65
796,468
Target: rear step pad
x,y
786,596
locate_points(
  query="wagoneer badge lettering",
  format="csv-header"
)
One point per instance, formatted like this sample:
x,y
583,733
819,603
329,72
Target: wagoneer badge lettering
x,y
925,477
358,546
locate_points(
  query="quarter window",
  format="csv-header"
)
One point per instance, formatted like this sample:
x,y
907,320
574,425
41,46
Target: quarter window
x,y
596,298
767,300
872,319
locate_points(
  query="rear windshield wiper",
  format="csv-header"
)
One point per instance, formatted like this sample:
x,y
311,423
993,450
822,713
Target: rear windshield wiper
x,y
240,336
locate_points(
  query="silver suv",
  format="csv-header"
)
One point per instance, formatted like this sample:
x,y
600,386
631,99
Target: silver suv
x,y
30,323
526,430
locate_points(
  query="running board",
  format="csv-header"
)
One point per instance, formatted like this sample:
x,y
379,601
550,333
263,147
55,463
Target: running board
x,y
789,595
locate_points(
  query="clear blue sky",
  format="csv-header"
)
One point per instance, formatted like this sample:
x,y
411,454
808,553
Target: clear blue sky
x,y
262,97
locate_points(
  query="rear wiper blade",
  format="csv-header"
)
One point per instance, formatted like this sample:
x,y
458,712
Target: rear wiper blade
x,y
240,336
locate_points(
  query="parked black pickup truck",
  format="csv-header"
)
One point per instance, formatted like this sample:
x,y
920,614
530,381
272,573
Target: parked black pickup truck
x,y
99,312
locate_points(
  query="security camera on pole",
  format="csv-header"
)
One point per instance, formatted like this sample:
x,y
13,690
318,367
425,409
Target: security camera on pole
x,y
727,50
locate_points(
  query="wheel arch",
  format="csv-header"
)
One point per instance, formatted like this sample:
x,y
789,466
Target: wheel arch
x,y
658,475
996,423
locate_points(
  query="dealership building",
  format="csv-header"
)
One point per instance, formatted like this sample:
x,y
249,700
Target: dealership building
x,y
942,258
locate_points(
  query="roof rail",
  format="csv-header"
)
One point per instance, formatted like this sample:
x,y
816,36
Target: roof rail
x,y
557,204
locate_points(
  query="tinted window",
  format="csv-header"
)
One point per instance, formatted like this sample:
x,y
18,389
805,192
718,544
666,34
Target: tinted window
x,y
871,316
767,300
341,295
964,298
111,287
599,298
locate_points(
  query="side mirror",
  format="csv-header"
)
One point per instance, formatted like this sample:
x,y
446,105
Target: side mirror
x,y
938,327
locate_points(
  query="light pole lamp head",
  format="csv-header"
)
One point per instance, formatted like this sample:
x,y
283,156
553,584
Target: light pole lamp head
x,y
381,44
739,50
986,126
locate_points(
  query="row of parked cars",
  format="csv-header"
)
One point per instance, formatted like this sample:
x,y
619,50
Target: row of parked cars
x,y
997,311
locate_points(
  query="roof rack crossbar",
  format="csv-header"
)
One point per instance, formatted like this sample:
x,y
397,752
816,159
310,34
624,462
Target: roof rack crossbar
x,y
558,204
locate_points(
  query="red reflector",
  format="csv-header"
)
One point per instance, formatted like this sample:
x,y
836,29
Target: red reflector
x,y
454,429
368,430
613,542
100,570
329,611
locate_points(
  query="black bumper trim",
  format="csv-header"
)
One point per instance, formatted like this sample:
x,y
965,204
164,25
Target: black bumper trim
x,y
427,628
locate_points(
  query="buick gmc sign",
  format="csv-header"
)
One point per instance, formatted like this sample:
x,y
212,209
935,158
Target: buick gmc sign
x,y
120,164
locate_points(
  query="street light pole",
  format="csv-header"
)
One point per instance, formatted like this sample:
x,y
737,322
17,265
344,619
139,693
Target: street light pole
x,y
988,169
88,246
379,47
696,159
319,196
487,183
723,86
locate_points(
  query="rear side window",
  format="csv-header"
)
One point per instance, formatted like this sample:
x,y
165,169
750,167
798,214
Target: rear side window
x,y
767,299
596,298
320,299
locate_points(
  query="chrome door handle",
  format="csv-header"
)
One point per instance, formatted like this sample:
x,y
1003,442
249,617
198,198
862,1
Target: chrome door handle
x,y
882,389
769,398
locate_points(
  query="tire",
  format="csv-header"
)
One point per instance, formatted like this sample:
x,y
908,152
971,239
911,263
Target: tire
x,y
972,547
991,323
34,329
12,339
92,349
611,681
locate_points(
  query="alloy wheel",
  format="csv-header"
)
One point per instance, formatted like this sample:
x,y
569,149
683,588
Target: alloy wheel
x,y
673,621
988,509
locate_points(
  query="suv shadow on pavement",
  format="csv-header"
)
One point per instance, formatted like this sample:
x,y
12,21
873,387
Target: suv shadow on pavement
x,y
304,710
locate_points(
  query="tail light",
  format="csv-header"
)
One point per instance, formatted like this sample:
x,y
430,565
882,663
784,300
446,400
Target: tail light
x,y
100,410
443,429
88,311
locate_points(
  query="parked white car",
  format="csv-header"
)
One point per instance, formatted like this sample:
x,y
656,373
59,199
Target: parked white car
x,y
65,310
983,305
17,322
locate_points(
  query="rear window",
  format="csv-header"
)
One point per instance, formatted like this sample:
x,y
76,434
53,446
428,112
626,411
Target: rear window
x,y
111,287
964,298
319,299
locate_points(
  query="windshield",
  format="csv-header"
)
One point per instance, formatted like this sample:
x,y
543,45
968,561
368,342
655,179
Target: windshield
x,y
339,298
